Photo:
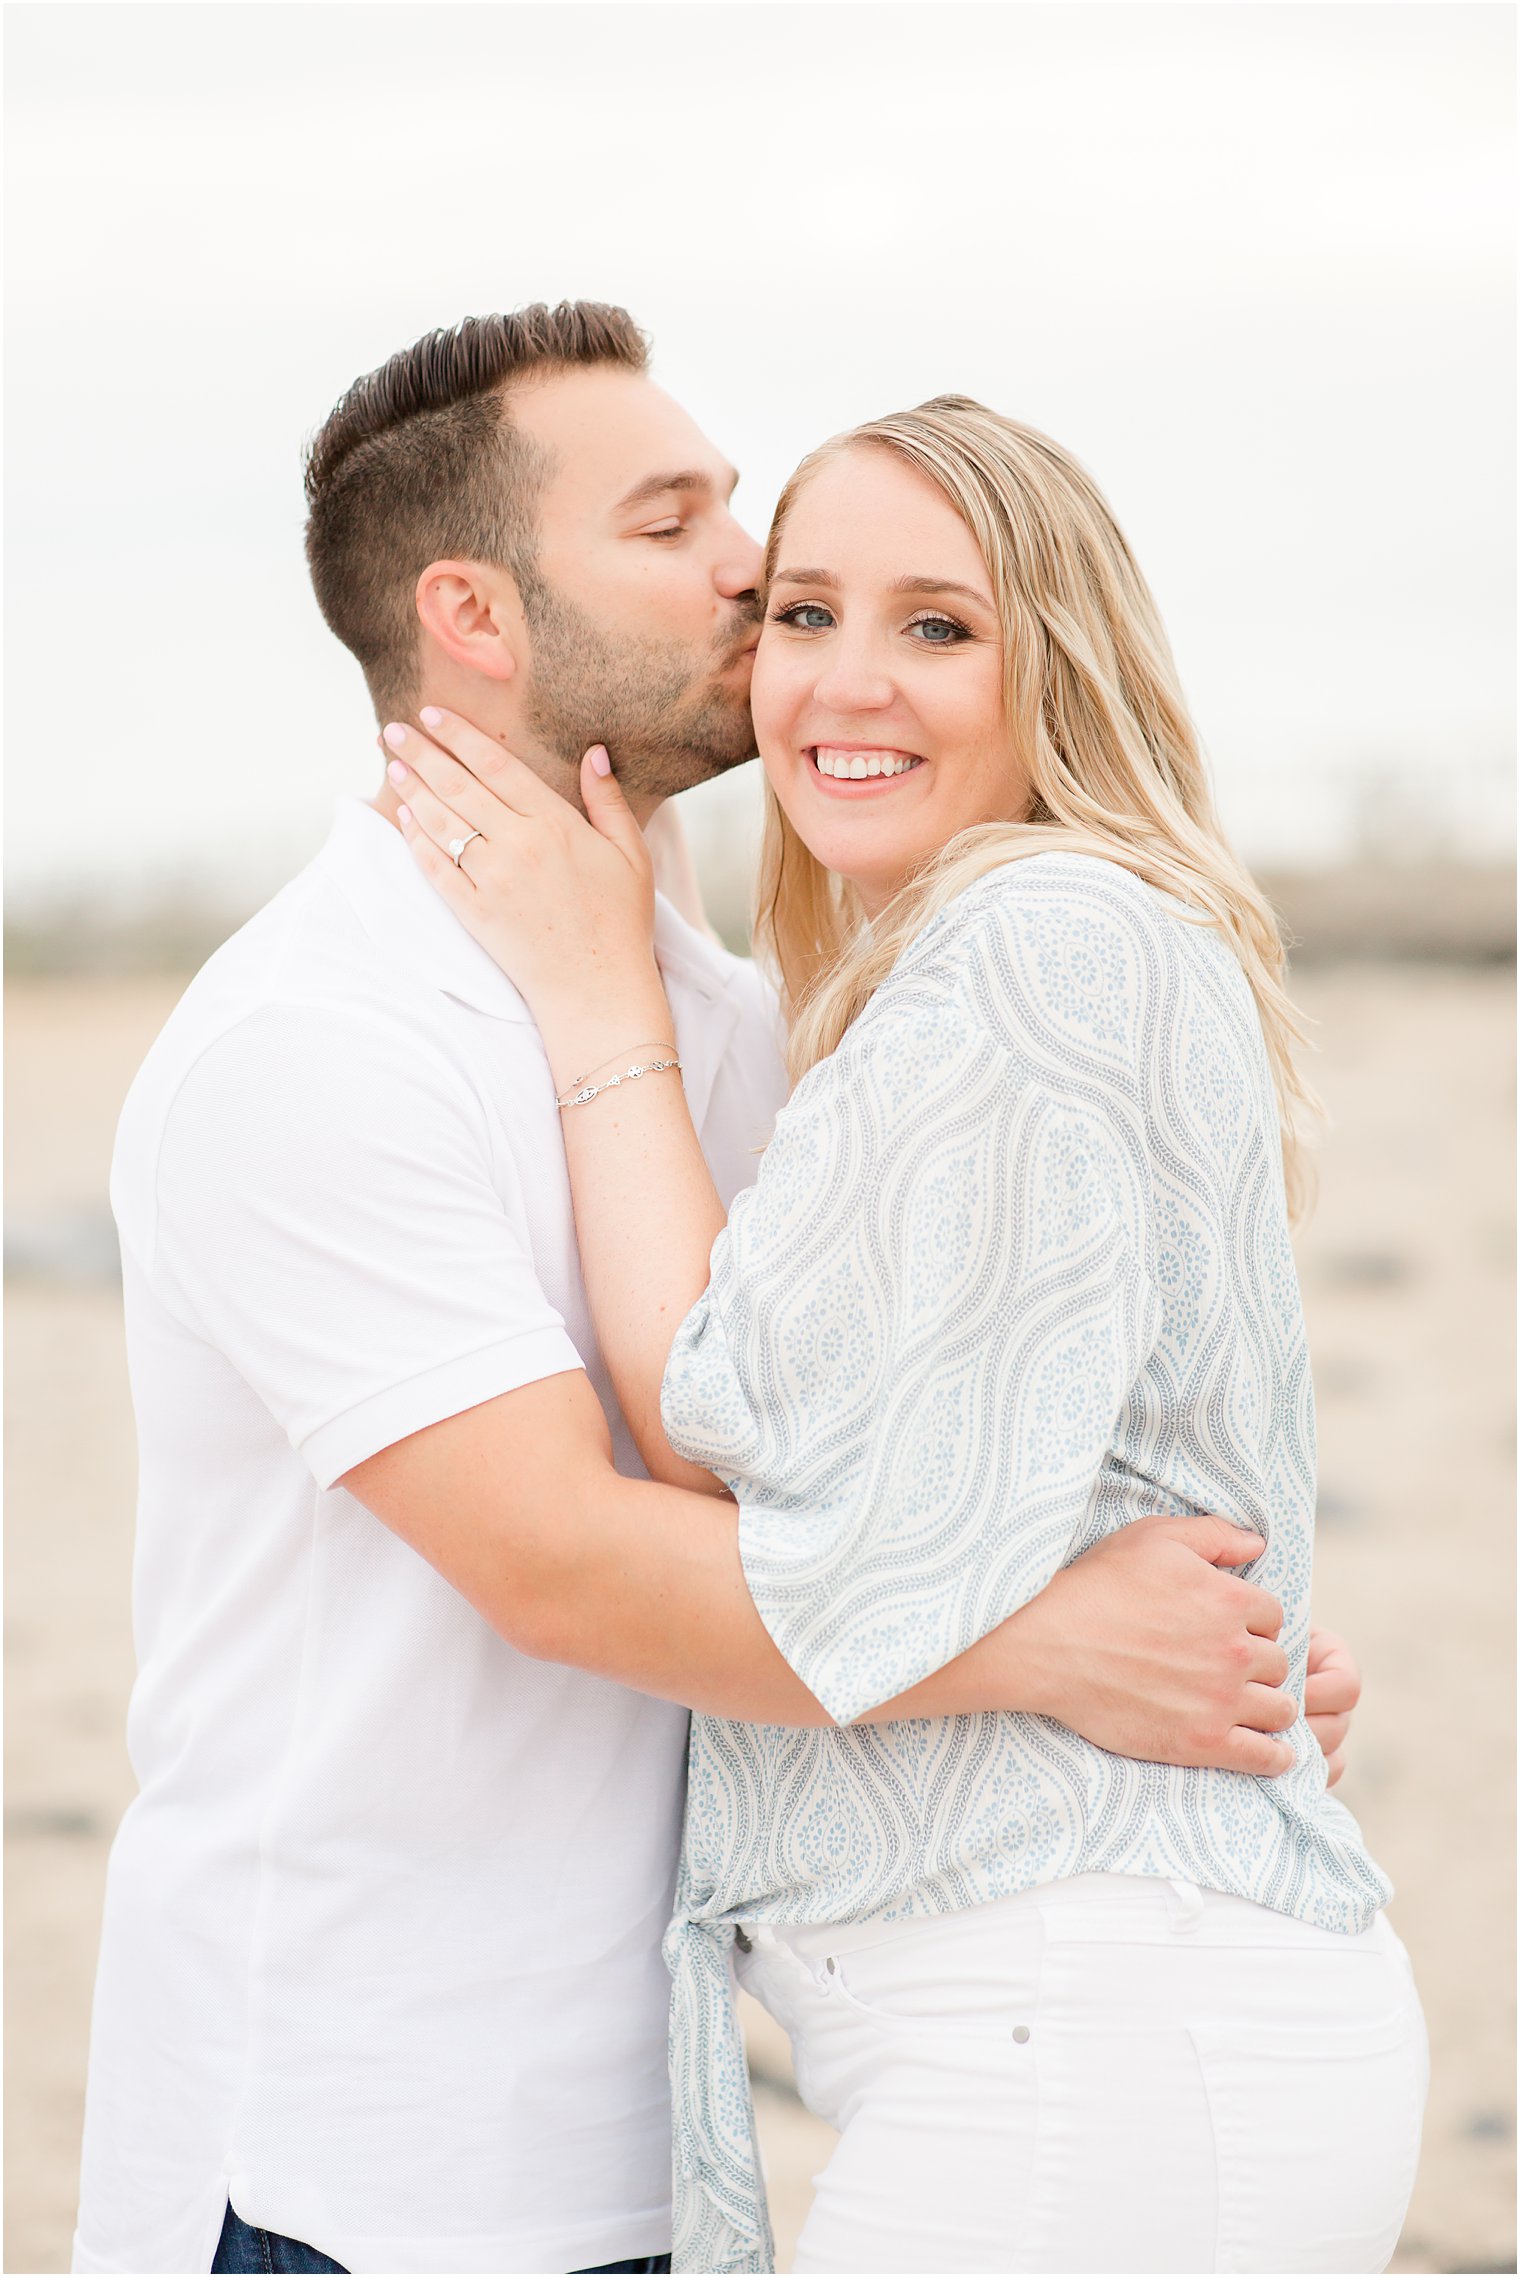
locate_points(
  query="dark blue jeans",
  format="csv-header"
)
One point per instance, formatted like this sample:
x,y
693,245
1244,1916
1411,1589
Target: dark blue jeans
x,y
262,2253
247,2252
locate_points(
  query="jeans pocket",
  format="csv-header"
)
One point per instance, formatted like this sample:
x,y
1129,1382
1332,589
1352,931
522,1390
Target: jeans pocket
x,y
1316,2136
961,1978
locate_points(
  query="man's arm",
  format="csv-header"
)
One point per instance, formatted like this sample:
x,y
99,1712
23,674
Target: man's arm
x,y
1143,1646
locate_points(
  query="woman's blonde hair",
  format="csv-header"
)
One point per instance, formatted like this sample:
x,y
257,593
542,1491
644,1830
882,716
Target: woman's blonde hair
x,y
1098,730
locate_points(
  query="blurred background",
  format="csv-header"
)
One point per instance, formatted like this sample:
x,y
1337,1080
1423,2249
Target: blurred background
x,y
1252,263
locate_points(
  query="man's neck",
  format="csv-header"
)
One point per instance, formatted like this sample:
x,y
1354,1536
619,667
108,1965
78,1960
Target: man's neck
x,y
513,736
387,798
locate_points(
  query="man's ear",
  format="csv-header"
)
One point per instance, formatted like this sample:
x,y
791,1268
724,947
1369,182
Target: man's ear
x,y
471,612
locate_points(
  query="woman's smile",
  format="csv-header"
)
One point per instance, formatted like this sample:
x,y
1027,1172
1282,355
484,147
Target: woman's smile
x,y
878,683
854,770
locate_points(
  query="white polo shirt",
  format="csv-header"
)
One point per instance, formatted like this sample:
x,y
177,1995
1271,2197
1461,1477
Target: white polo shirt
x,y
381,1955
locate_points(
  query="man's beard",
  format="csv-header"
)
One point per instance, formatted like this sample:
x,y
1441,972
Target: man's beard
x,y
667,718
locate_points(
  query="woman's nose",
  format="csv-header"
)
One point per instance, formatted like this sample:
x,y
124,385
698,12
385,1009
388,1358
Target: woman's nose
x,y
852,681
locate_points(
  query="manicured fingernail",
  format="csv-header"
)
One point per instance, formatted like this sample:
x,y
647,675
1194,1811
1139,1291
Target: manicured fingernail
x,y
405,814
397,772
430,716
395,735
600,763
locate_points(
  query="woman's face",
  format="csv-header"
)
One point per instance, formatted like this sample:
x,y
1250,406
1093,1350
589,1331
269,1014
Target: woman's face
x,y
877,694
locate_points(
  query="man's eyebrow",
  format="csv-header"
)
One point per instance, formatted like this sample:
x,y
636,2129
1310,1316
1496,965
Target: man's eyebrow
x,y
684,478
830,584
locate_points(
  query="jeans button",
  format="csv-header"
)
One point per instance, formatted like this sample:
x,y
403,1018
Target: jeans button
x,y
1021,2033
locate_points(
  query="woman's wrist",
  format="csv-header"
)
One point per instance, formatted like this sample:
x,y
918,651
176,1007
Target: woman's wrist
x,y
583,1039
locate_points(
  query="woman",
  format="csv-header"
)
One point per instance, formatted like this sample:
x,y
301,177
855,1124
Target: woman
x,y
1015,1271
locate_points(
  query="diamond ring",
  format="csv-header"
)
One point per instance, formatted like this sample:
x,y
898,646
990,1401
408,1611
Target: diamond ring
x,y
456,847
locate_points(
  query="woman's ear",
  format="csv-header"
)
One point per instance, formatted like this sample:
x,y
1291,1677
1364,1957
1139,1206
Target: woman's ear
x,y
471,612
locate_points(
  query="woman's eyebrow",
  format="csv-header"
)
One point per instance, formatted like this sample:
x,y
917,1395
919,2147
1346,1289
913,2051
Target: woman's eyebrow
x,y
941,585
830,583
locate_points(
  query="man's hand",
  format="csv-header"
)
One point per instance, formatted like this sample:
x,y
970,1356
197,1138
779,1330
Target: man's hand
x,y
1332,1689
1145,1646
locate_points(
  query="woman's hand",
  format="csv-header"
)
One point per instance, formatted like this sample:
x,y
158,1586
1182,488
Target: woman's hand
x,y
564,904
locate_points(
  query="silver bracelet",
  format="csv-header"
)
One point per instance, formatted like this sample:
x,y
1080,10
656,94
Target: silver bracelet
x,y
590,1091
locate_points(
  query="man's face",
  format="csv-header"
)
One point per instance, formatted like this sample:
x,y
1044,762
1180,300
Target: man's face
x,y
641,611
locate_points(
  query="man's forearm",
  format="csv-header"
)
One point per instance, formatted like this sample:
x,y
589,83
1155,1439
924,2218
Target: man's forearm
x,y
626,1578
1140,1645
651,1592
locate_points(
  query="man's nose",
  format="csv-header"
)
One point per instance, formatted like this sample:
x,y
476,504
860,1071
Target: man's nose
x,y
738,574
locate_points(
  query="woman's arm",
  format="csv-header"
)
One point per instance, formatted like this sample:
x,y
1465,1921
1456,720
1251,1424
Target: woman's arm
x,y
1143,1646
646,1210
1126,1645
646,1217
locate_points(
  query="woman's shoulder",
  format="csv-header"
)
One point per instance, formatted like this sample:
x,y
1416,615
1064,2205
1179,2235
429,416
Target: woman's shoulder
x,y
1066,894
1057,937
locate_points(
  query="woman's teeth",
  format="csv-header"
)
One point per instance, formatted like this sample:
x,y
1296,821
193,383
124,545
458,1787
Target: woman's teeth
x,y
857,765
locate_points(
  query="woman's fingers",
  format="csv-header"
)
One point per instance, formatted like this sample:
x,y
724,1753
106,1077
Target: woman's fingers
x,y
608,811
440,824
423,762
441,870
482,760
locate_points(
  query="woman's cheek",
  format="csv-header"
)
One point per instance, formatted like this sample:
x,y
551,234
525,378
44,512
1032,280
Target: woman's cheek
x,y
776,694
766,695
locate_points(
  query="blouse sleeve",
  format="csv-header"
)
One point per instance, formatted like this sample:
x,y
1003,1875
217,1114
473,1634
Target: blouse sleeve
x,y
922,1324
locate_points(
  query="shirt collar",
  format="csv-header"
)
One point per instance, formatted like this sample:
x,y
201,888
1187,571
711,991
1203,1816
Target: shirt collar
x,y
405,917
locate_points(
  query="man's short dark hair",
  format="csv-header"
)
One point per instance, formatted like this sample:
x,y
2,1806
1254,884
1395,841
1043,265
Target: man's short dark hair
x,y
420,462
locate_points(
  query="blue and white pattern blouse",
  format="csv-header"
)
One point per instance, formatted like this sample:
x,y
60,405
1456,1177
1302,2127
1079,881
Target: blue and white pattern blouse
x,y
1015,1271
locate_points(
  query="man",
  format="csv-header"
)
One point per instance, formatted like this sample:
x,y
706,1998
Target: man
x,y
380,1983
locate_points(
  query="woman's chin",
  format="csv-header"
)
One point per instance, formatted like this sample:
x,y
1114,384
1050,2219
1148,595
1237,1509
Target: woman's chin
x,y
875,880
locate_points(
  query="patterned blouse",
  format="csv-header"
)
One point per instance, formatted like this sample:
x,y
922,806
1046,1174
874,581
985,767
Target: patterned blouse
x,y
1015,1271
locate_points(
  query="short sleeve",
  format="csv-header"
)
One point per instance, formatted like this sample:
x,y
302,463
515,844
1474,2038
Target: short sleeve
x,y
326,1216
922,1324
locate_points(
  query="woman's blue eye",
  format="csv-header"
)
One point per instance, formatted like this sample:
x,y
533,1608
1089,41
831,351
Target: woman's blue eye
x,y
801,612
939,632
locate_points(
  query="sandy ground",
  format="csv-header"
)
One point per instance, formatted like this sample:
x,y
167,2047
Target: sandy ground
x,y
1406,1270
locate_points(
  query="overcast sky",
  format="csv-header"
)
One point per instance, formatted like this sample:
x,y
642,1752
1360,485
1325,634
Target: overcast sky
x,y
1252,263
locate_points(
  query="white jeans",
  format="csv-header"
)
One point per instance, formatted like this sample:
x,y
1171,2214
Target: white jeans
x,y
1109,2074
